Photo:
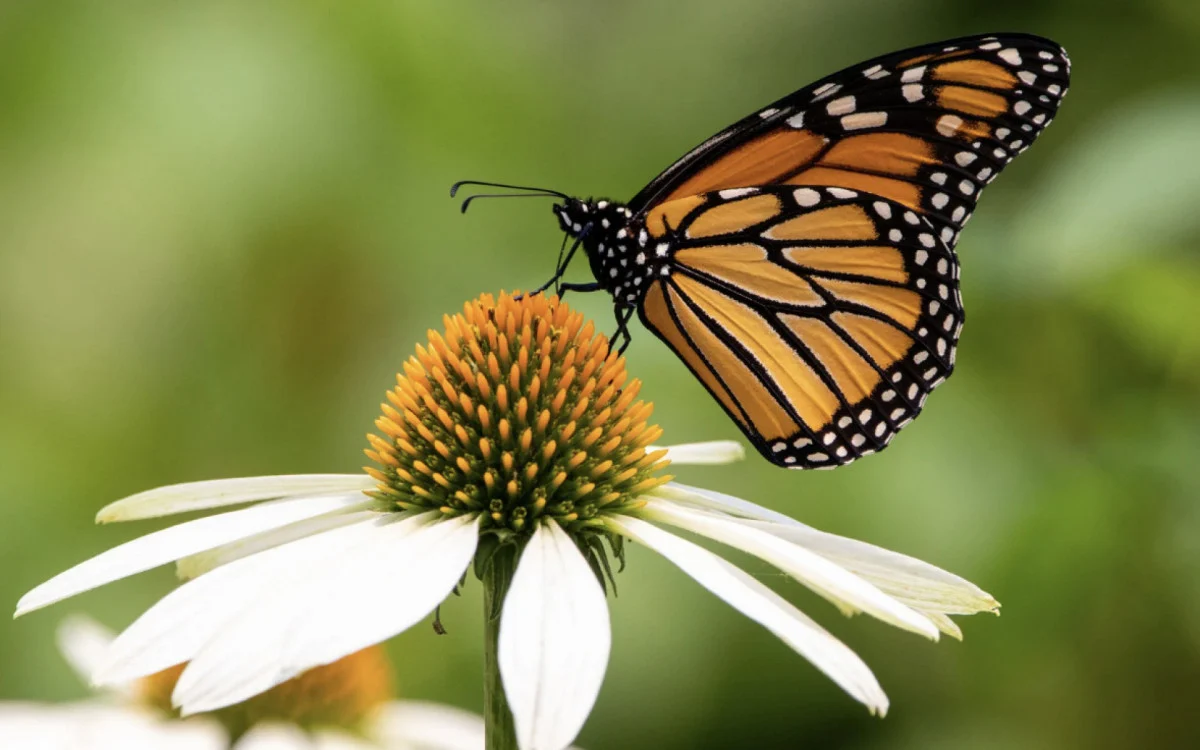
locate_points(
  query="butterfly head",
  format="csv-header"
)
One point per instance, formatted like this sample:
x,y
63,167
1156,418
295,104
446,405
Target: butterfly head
x,y
590,218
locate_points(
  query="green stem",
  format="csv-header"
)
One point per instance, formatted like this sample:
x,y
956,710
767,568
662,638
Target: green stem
x,y
498,721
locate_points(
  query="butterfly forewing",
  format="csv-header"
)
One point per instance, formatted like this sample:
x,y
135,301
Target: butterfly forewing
x,y
819,317
927,127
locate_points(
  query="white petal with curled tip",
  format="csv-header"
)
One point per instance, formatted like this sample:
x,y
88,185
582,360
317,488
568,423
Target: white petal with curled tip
x,y
554,641
385,583
828,579
218,493
764,606
193,566
712,452
170,544
924,587
420,725
921,585
182,622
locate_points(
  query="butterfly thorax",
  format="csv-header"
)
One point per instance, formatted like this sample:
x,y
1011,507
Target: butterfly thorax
x,y
622,256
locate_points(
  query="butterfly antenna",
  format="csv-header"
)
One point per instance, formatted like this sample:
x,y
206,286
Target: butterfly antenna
x,y
545,191
467,202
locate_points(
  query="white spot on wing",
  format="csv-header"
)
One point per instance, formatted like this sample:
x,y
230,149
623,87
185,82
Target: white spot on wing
x,y
736,192
864,120
807,197
948,125
842,106
827,90
1010,56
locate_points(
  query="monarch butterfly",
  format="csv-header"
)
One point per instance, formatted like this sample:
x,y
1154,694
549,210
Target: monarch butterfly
x,y
801,262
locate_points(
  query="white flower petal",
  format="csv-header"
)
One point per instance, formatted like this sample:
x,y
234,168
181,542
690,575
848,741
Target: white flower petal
x,y
182,622
921,585
554,641
336,739
193,566
95,726
83,642
274,736
711,452
828,579
698,497
419,725
387,593
178,541
764,606
924,587
218,493
385,583
945,624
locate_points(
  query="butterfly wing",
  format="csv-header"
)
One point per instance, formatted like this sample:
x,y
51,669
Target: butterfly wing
x,y
819,317
926,127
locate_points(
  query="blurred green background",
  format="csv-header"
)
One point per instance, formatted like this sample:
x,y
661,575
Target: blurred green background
x,y
224,225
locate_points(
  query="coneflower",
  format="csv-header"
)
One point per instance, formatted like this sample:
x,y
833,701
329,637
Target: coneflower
x,y
514,441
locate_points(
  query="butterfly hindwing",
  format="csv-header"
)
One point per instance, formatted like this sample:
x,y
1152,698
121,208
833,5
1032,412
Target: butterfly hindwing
x,y
927,127
819,317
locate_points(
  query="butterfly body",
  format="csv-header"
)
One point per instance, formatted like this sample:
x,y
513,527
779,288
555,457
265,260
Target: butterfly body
x,y
802,261
616,244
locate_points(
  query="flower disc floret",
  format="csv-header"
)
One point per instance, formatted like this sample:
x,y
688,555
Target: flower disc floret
x,y
518,411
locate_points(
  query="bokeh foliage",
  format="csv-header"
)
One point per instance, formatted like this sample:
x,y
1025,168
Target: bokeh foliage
x,y
223,225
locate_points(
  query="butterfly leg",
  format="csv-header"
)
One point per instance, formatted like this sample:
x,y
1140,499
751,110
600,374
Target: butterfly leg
x,y
592,286
561,267
623,314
